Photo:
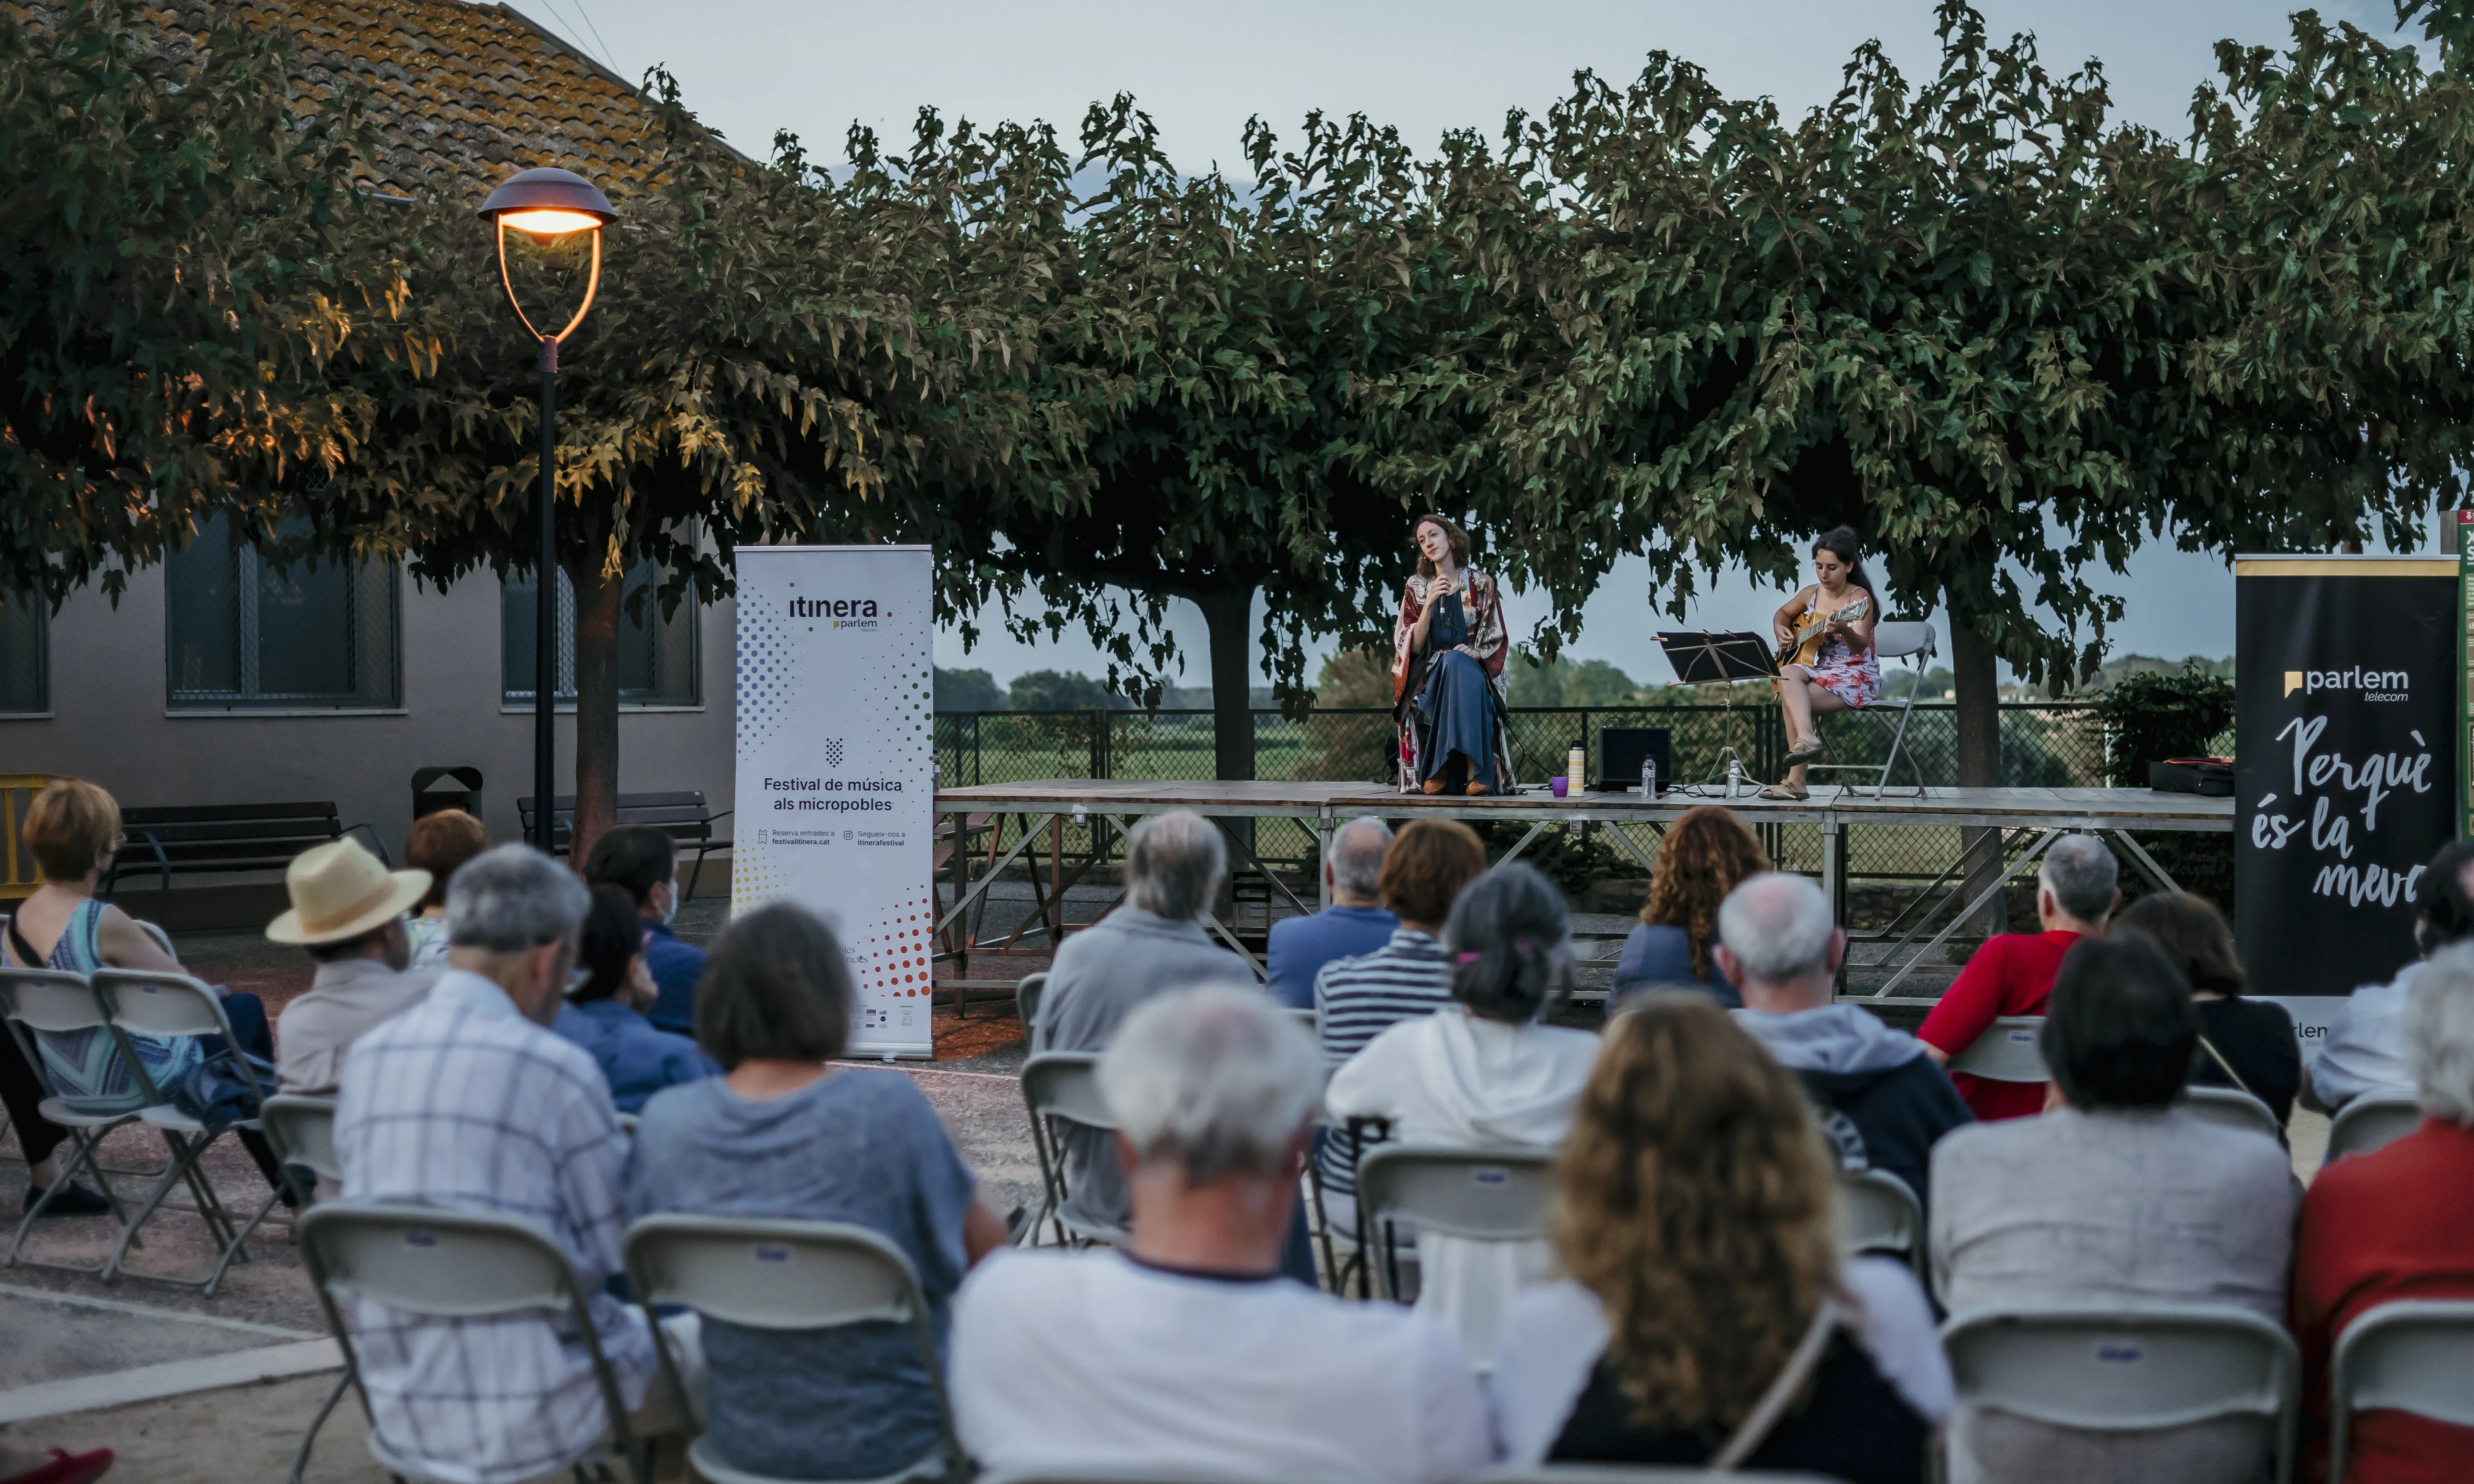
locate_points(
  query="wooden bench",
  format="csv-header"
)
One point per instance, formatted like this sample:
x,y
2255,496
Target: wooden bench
x,y
682,816
192,839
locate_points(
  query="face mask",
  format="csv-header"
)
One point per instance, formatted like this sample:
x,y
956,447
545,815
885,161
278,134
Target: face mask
x,y
672,910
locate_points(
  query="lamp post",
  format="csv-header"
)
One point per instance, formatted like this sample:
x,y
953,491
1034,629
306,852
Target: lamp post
x,y
543,204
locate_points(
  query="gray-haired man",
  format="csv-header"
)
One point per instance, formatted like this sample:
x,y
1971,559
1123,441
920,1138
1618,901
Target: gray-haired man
x,y
1188,1352
467,1100
1154,942
1355,924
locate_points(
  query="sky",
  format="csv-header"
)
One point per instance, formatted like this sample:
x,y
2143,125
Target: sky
x,y
750,67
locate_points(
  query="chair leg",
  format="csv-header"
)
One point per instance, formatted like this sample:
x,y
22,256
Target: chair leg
x,y
309,1438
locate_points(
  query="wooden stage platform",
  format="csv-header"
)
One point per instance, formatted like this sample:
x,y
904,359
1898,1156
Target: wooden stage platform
x,y
2033,817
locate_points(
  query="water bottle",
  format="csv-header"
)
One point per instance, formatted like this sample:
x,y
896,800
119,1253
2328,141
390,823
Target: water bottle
x,y
1576,767
1648,779
1734,776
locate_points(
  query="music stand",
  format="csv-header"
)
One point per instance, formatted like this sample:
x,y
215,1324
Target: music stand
x,y
1703,658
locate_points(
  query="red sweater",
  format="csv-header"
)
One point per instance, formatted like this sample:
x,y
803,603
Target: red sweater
x,y
2010,975
2391,1224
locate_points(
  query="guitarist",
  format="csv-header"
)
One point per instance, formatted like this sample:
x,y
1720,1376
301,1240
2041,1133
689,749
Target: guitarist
x,y
1826,658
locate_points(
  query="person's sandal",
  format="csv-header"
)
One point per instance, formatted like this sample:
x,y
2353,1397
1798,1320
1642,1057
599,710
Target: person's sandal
x,y
1786,793
1809,748
1476,789
1434,786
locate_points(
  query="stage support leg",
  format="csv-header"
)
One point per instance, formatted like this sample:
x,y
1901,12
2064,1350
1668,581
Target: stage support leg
x,y
1030,834
1322,829
2000,884
2145,862
1833,883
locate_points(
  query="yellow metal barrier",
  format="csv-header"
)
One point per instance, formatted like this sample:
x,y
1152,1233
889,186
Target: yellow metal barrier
x,y
17,790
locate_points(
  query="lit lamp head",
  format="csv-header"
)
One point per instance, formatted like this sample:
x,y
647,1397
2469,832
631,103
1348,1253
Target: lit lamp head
x,y
547,204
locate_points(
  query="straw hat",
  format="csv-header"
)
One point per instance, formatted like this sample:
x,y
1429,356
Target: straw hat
x,y
339,890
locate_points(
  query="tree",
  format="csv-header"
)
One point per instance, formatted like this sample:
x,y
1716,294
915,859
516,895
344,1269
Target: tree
x,y
1055,690
969,690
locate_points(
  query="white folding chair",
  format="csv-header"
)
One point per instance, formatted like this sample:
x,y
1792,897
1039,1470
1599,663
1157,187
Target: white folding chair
x,y
2411,1355
2371,1120
2007,1052
2233,1107
1634,1473
1486,1195
1062,1087
784,1274
303,1131
1904,640
144,1002
1878,1215
2125,1368
1026,999
57,1002
443,1264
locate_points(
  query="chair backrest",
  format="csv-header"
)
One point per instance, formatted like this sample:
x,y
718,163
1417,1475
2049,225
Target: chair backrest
x,y
1493,1195
2371,1120
2413,1355
2116,1368
155,930
1026,999
439,1264
772,1275
304,1127
2233,1107
1066,1084
2007,1052
1878,1213
50,999
1899,640
1635,1473
144,1002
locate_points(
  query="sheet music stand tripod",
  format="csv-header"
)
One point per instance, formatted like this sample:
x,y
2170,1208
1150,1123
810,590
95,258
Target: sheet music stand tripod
x,y
1704,659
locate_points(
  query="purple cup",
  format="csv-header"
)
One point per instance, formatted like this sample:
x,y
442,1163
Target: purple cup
x,y
1560,785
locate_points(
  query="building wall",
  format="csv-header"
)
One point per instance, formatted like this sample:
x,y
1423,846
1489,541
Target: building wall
x,y
109,721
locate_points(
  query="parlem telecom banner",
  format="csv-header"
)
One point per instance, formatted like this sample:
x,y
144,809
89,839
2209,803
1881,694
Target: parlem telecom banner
x,y
836,766
2345,767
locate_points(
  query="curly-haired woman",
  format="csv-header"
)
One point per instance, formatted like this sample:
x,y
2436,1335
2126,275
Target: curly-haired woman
x,y
1706,855
1705,1315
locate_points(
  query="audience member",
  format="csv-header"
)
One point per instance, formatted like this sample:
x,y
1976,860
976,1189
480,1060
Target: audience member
x,y
2245,1044
1355,922
1881,1100
2118,1196
467,1101
1188,1352
605,1014
783,1135
440,842
348,911
72,830
1154,943
1693,1223
2365,1048
1481,1072
1706,854
2390,1225
2013,973
1356,999
645,861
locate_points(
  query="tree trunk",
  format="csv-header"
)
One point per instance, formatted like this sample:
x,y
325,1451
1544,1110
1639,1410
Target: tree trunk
x,y
596,702
1228,611
1973,666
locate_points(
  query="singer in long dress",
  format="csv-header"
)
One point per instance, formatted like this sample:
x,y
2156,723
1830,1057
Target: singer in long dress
x,y
1449,647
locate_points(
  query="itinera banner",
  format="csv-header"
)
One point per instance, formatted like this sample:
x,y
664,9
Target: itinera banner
x,y
836,766
2345,762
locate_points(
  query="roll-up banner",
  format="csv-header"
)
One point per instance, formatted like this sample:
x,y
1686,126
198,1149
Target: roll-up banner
x,y
836,766
2346,746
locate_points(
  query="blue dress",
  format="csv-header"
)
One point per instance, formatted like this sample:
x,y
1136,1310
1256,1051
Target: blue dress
x,y
1458,701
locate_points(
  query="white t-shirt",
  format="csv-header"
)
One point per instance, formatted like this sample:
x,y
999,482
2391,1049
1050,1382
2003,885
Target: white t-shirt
x,y
2364,1051
1557,1333
1064,1361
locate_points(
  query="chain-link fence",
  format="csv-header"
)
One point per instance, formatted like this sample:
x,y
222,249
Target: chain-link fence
x,y
2043,745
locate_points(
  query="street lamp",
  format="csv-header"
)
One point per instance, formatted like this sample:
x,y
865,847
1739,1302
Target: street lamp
x,y
543,204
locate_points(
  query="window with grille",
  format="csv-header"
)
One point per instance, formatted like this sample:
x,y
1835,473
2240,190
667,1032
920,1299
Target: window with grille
x,y
240,634
25,655
657,654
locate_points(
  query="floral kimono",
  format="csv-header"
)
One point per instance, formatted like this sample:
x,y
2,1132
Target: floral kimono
x,y
1448,695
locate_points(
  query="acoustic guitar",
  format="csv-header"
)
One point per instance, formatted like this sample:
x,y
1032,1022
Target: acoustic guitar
x,y
1806,646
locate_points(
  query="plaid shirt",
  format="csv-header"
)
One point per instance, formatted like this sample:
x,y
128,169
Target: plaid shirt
x,y
462,1102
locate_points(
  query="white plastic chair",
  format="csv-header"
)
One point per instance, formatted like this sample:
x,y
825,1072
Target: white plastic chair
x,y
2007,1052
1486,1195
2121,1367
2233,1107
2411,1355
62,1003
1062,1087
1634,1473
144,1002
1026,999
443,1264
302,1132
784,1274
1878,1215
2371,1120
1912,639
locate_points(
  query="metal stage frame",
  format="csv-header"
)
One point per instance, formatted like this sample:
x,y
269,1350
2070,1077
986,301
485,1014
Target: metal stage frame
x,y
2029,820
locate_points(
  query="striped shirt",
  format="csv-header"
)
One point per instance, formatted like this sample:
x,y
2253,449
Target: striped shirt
x,y
462,1102
1357,999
